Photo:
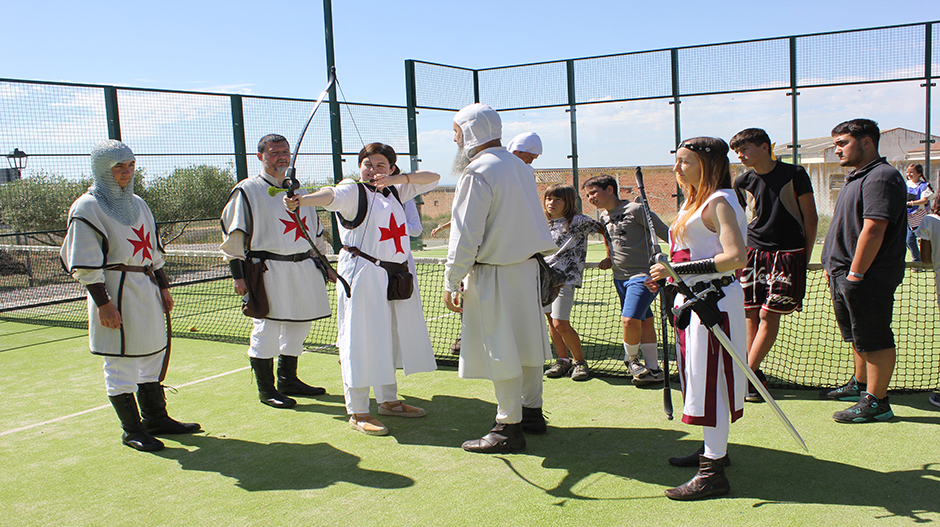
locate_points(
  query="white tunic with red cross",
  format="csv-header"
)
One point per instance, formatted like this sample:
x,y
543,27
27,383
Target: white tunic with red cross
x,y
376,335
296,290
96,240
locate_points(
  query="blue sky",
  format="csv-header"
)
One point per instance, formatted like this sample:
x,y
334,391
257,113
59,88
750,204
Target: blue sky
x,y
271,48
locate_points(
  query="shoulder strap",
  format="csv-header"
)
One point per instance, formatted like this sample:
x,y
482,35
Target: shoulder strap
x,y
360,212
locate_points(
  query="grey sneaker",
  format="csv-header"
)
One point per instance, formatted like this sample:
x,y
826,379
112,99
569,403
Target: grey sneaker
x,y
650,377
635,368
559,369
580,372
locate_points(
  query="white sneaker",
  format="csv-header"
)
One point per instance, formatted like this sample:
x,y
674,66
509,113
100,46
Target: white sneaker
x,y
635,368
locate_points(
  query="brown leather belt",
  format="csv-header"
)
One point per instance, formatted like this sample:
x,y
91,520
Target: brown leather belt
x,y
148,270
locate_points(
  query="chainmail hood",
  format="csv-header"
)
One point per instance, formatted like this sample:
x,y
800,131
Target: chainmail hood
x,y
116,202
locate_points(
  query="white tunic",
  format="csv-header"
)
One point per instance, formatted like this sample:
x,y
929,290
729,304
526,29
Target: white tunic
x,y
95,240
705,371
375,335
497,224
296,290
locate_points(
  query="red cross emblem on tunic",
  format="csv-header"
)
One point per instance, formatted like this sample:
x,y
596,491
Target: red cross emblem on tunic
x,y
291,225
142,243
393,232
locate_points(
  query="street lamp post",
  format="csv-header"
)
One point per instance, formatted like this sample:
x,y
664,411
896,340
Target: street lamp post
x,y
17,161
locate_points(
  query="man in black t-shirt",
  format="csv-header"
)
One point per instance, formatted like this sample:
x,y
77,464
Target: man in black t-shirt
x,y
780,240
864,261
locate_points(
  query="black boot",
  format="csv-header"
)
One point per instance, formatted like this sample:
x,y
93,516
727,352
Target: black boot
x,y
502,439
533,422
287,381
710,481
134,434
691,460
153,411
264,375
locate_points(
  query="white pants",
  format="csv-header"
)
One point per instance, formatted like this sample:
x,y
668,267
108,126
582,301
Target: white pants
x,y
271,338
357,399
716,438
123,374
513,394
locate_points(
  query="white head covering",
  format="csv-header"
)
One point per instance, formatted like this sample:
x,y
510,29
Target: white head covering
x,y
114,201
528,142
480,124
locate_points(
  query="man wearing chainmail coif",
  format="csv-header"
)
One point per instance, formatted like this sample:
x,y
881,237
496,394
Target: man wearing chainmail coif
x,y
257,226
497,225
113,249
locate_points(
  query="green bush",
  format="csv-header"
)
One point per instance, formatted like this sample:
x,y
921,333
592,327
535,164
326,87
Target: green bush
x,y
40,203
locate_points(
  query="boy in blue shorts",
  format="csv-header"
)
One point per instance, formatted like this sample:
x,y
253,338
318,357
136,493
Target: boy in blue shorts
x,y
628,242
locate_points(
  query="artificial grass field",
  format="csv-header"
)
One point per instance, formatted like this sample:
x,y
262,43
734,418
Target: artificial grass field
x,y
603,461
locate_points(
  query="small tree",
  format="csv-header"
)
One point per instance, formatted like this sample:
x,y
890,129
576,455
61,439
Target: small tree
x,y
40,203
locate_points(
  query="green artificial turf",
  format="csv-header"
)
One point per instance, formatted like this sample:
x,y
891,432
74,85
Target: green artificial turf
x,y
603,461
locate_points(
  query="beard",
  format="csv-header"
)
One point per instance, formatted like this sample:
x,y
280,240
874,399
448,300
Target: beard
x,y
461,161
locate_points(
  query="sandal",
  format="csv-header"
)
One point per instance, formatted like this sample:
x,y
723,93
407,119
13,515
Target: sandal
x,y
367,425
400,409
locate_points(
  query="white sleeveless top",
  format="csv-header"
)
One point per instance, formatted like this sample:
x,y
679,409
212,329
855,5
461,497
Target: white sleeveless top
x,y
700,242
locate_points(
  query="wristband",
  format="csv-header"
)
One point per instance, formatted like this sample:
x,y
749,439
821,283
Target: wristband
x,y
856,275
162,281
98,293
703,266
237,267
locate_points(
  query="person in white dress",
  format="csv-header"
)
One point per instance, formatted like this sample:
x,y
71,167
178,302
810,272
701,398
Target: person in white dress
x,y
706,245
376,335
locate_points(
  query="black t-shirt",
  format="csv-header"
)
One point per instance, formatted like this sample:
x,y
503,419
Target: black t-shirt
x,y
878,192
777,223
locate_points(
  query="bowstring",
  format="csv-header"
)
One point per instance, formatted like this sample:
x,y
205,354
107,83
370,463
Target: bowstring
x,y
369,205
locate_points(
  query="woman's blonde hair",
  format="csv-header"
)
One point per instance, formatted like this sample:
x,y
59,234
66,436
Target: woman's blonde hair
x,y
712,153
567,194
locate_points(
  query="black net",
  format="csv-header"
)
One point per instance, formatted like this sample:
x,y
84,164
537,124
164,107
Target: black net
x,y
809,351
623,77
742,66
872,55
442,87
545,84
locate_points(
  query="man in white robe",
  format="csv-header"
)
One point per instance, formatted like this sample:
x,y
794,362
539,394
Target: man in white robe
x,y
256,225
497,225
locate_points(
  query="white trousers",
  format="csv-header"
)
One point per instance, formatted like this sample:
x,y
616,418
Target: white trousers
x,y
716,438
357,399
123,374
513,394
271,338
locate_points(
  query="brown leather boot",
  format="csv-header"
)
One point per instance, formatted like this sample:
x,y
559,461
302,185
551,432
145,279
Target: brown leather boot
x,y
710,481
502,439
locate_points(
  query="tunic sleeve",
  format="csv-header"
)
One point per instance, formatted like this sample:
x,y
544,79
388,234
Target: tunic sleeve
x,y
472,200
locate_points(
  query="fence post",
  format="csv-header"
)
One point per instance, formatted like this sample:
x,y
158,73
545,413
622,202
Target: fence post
x,y
675,102
794,144
928,84
411,96
335,122
572,112
111,110
476,86
238,133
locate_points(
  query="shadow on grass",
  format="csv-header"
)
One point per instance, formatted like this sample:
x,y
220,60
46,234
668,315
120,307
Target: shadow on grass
x,y
278,466
771,477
